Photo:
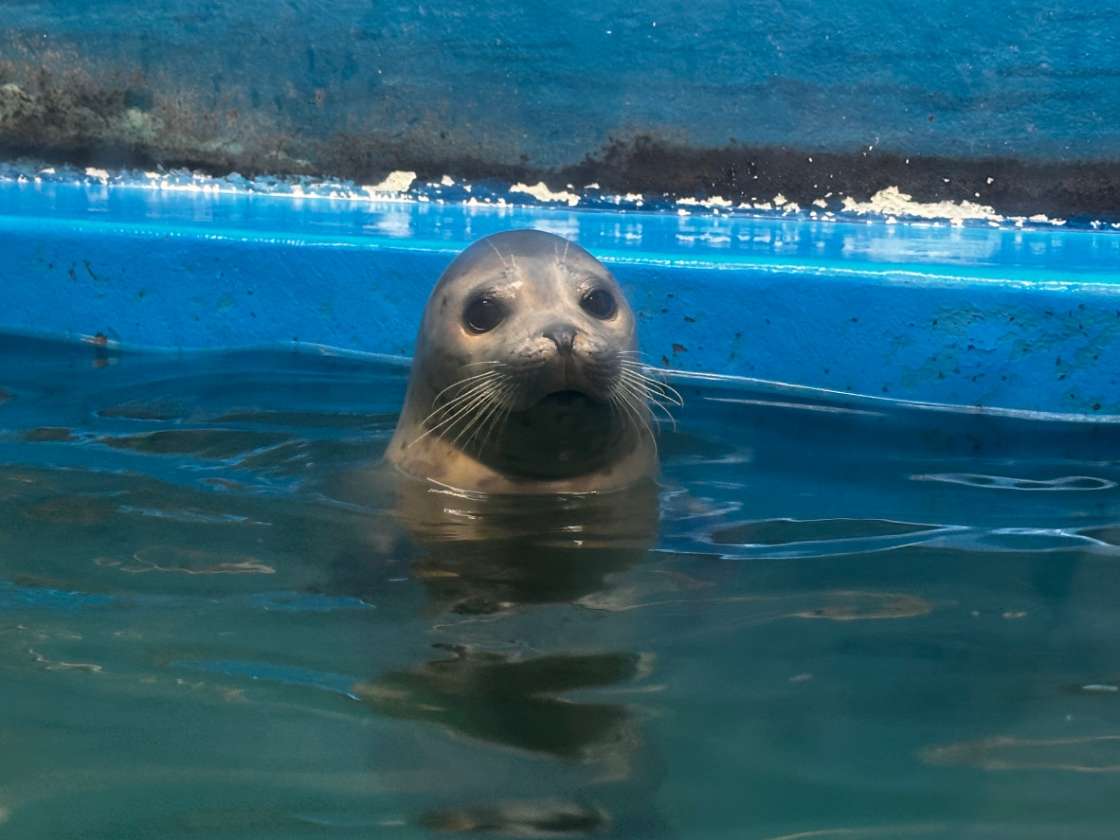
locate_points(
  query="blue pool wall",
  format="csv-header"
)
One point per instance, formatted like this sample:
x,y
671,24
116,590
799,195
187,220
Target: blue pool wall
x,y
995,317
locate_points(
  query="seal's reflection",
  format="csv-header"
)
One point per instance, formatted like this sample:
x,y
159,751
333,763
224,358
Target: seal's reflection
x,y
478,553
514,703
489,555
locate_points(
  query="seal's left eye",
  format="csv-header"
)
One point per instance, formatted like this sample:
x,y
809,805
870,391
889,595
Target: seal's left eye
x,y
600,303
483,314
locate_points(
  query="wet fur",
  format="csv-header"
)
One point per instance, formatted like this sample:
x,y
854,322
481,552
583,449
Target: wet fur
x,y
511,410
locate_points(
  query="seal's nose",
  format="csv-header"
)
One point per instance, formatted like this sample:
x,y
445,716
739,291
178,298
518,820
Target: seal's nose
x,y
562,335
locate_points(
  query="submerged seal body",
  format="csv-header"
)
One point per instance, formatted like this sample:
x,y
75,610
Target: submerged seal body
x,y
525,377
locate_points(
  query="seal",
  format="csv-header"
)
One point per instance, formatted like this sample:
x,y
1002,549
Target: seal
x,y
526,377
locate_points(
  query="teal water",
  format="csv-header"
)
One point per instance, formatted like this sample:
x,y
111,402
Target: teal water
x,y
837,619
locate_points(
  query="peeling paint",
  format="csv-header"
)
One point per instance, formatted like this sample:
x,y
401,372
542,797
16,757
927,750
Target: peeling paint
x,y
541,192
715,202
891,201
395,182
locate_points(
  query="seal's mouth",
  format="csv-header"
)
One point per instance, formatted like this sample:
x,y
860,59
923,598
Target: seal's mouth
x,y
565,398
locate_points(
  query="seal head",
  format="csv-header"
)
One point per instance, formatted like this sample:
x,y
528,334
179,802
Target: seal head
x,y
525,376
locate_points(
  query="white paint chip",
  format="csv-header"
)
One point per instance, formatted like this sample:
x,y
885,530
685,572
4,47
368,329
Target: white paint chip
x,y
395,182
541,192
891,201
714,201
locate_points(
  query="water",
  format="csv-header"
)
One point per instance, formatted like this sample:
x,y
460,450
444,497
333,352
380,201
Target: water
x,y
853,618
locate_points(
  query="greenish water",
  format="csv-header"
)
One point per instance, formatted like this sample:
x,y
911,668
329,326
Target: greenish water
x,y
834,620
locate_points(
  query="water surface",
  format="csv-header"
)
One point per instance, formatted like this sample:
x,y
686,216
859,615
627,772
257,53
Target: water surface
x,y
833,619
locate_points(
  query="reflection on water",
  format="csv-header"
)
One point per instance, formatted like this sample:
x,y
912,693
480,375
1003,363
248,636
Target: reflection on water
x,y
218,617
1086,754
514,703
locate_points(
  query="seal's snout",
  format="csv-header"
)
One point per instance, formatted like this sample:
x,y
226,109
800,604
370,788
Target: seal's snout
x,y
562,335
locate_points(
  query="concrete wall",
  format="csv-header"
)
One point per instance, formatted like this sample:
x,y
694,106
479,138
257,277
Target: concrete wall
x,y
484,88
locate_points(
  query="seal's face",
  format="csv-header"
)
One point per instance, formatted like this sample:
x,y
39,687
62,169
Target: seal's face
x,y
526,368
532,314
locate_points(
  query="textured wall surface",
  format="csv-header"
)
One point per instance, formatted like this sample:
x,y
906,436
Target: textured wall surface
x,y
496,88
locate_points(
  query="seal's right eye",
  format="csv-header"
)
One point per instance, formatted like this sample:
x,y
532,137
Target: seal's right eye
x,y
483,314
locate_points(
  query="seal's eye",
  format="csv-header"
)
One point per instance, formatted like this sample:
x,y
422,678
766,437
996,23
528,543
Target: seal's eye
x,y
600,303
483,314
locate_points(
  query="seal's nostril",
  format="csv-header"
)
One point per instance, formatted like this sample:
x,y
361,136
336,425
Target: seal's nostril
x,y
562,335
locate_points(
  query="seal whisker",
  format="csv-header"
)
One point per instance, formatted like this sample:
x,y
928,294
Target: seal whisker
x,y
654,382
636,358
642,393
616,408
642,372
442,411
506,410
480,435
477,396
652,390
634,400
660,389
668,391
638,414
450,405
459,383
668,416
468,417
625,416
490,423
481,416
658,400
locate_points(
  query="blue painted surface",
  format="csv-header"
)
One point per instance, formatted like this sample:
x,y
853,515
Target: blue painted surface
x,y
501,80
1002,318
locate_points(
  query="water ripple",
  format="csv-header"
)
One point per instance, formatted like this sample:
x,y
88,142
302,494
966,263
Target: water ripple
x,y
1069,483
